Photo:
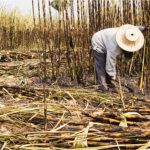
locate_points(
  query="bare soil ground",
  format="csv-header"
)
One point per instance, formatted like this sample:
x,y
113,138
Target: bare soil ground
x,y
78,117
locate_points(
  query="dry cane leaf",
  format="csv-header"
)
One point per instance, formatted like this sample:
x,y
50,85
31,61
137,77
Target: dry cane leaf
x,y
132,114
80,141
123,122
145,146
2,106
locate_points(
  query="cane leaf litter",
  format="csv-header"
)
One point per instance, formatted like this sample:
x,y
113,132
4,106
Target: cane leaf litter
x,y
48,96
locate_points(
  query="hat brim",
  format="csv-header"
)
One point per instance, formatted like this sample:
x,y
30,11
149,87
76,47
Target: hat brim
x,y
124,43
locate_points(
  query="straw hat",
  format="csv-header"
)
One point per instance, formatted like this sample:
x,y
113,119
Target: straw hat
x,y
129,38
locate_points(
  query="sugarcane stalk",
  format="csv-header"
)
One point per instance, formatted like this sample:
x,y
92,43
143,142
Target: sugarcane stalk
x,y
121,92
33,12
51,42
45,64
143,69
39,14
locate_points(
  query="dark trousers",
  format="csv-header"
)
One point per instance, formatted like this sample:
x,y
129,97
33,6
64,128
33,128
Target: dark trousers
x,y
102,77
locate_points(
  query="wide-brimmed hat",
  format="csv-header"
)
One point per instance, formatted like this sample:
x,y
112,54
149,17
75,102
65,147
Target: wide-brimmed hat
x,y
129,38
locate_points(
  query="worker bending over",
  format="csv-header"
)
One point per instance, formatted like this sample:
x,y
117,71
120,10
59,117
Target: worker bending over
x,y
107,44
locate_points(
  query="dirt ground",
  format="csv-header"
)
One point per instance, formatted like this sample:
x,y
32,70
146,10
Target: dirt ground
x,y
78,117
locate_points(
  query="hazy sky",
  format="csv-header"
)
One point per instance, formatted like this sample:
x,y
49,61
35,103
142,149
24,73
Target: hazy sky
x,y
24,6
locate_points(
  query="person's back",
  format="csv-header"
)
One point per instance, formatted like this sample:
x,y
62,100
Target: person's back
x,y
105,40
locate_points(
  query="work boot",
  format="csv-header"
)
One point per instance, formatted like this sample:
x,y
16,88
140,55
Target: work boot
x,y
110,84
114,90
102,88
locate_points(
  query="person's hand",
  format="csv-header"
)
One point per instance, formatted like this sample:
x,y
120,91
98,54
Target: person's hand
x,y
113,78
142,28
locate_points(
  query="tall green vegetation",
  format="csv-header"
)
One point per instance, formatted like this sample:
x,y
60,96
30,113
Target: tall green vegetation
x,y
68,34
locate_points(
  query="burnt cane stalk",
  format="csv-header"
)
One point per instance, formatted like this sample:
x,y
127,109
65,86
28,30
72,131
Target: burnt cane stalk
x,y
33,12
45,65
51,41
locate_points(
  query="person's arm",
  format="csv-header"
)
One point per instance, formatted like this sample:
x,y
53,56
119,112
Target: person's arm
x,y
111,65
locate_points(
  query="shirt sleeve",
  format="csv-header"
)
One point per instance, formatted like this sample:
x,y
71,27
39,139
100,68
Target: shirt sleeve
x,y
111,64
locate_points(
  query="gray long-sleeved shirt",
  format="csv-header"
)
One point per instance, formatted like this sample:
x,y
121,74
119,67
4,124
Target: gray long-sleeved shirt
x,y
104,41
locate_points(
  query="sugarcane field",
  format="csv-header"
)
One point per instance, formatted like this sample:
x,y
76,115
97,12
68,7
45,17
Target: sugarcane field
x,y
75,74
